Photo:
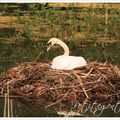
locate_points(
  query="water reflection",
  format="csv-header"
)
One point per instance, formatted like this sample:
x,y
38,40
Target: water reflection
x,y
22,109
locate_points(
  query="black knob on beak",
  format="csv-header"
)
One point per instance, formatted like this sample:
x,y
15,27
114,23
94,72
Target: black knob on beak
x,y
49,47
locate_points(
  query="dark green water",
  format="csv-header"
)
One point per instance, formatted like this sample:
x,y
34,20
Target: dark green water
x,y
13,53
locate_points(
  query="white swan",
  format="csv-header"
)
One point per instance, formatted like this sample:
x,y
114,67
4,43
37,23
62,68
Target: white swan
x,y
65,62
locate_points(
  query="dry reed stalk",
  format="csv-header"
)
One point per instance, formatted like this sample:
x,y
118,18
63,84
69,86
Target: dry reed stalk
x,y
89,72
74,92
106,19
11,107
80,81
102,75
56,90
5,104
38,56
54,103
8,101
114,90
106,14
8,105
99,79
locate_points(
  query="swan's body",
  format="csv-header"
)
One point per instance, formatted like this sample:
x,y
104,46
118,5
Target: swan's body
x,y
68,62
65,62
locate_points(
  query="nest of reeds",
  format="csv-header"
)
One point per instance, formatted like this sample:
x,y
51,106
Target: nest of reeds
x,y
39,84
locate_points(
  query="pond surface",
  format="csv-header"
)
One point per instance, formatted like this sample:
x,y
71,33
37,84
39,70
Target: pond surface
x,y
24,110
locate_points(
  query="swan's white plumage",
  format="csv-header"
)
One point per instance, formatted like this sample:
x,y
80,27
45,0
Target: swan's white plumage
x,y
66,62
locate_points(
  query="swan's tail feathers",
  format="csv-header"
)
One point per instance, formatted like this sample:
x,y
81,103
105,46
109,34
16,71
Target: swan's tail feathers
x,y
81,68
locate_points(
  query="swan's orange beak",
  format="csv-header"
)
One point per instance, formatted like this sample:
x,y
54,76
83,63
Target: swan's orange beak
x,y
49,47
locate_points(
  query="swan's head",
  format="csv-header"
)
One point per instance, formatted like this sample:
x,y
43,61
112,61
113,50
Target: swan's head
x,y
52,42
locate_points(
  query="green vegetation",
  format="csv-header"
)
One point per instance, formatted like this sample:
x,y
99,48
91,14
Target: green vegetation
x,y
92,32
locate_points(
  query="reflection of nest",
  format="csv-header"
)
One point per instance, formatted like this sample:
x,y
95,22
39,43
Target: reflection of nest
x,y
37,83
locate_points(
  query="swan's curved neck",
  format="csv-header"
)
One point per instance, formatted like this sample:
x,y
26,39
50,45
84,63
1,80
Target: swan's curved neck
x,y
65,47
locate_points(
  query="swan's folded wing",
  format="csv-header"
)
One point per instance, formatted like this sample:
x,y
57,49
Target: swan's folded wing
x,y
68,62
61,62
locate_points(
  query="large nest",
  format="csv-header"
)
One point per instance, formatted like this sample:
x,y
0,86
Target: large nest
x,y
38,83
